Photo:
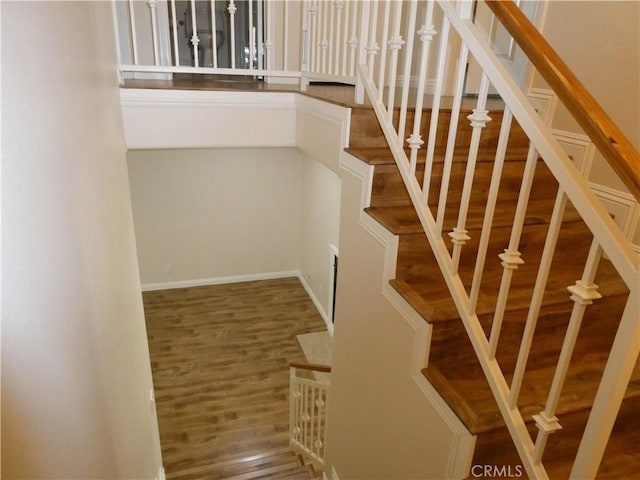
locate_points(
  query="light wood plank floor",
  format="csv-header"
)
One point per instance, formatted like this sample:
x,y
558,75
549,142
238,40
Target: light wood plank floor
x,y
219,356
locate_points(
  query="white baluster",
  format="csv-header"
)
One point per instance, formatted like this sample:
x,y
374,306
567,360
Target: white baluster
x,y
312,418
372,47
324,45
362,52
331,46
546,426
353,40
408,56
451,138
319,22
306,45
536,298
611,391
341,66
214,53
153,13
292,405
395,44
251,35
511,256
285,36
195,41
426,34
116,29
232,9
264,41
435,109
134,35
583,293
305,415
479,119
383,53
214,37
313,39
492,197
174,22
319,441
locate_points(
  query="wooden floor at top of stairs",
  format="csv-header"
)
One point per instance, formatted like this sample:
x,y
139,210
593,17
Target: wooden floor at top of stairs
x,y
338,94
219,357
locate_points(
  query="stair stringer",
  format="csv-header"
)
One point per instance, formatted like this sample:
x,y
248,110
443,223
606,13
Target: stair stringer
x,y
456,462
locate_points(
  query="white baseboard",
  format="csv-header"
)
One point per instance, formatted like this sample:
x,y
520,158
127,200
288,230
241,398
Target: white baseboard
x,y
201,282
316,302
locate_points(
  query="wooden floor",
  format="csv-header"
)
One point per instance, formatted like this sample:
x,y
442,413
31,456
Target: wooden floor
x,y
220,356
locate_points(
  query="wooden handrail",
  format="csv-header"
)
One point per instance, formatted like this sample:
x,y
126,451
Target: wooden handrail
x,y
604,133
311,366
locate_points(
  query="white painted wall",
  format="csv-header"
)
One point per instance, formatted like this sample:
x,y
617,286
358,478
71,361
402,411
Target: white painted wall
x,y
207,119
75,365
203,215
230,212
600,42
319,229
384,421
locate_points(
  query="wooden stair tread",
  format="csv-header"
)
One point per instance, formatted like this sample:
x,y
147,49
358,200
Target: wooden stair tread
x,y
382,155
403,219
418,268
460,381
280,463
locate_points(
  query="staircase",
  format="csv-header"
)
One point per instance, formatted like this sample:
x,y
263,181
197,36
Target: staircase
x,y
453,368
531,290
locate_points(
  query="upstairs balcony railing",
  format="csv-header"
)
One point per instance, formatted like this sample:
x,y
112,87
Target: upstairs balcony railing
x,y
397,52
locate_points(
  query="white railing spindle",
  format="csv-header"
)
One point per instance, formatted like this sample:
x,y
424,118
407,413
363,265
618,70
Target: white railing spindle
x,y
134,35
330,45
306,45
479,119
363,51
116,31
406,72
372,47
285,33
395,44
435,109
583,293
232,9
451,137
265,42
153,13
174,22
195,41
492,198
313,35
341,67
353,39
383,54
426,34
251,35
536,298
214,36
324,45
511,256
616,377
